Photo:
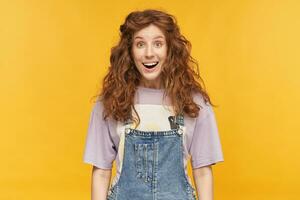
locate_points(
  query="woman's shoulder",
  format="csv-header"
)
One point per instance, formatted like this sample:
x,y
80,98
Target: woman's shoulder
x,y
97,107
205,107
198,98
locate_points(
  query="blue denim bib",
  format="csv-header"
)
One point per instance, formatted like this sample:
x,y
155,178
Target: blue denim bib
x,y
153,166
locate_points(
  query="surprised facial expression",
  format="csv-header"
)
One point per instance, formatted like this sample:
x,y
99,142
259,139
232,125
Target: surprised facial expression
x,y
149,51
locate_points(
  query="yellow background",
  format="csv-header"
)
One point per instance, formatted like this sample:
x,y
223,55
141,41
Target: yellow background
x,y
53,55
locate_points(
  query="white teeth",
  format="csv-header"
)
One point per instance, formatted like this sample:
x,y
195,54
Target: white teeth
x,y
150,64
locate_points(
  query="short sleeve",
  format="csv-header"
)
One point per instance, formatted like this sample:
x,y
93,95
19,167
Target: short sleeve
x,y
99,147
206,147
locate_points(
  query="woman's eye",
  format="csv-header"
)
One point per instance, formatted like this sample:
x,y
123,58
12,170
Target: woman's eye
x,y
139,44
158,44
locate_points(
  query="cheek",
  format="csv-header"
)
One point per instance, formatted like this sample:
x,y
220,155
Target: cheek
x,y
136,55
163,52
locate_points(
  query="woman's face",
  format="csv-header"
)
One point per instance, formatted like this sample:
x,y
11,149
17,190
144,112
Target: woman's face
x,y
149,52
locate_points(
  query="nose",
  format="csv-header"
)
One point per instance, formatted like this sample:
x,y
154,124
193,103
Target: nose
x,y
149,52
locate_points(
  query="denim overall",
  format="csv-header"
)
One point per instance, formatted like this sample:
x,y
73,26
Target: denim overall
x,y
153,166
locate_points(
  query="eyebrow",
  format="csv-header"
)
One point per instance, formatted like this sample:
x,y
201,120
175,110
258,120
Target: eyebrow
x,y
139,37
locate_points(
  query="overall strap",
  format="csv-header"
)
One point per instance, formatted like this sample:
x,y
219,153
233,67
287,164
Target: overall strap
x,y
127,125
179,120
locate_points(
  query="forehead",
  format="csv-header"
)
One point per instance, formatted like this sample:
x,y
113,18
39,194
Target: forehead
x,y
149,32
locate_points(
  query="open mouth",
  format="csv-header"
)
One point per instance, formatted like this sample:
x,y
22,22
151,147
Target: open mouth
x,y
150,65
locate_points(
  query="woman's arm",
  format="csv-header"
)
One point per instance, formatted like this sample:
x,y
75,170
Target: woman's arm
x,y
203,178
100,183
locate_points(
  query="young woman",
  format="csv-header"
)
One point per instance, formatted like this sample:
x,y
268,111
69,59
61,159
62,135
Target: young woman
x,y
151,117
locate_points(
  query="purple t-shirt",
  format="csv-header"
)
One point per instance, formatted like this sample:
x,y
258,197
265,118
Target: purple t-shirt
x,y
105,139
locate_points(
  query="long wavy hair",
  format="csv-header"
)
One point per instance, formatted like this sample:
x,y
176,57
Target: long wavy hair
x,y
180,73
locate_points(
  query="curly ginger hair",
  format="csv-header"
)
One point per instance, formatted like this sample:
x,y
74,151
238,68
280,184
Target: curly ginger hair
x,y
178,76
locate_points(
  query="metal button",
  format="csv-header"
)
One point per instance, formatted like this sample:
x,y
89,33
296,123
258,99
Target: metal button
x,y
180,131
139,175
127,130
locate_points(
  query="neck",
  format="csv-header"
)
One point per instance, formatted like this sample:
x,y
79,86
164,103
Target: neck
x,y
153,85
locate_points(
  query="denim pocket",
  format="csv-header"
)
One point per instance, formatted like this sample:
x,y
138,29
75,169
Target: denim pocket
x,y
143,153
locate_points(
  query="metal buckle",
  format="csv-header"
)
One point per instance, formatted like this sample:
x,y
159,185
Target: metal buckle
x,y
180,131
127,130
